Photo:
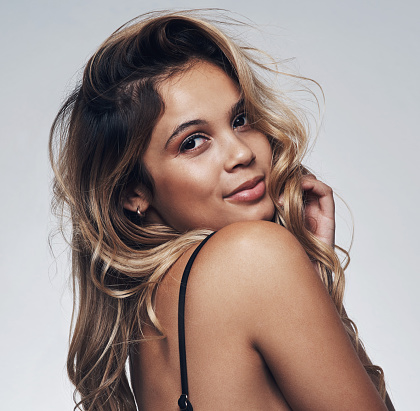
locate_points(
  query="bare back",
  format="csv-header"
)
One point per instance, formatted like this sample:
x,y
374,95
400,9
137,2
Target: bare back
x,y
224,370
260,328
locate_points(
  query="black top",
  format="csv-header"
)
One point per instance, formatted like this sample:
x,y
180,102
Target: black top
x,y
184,402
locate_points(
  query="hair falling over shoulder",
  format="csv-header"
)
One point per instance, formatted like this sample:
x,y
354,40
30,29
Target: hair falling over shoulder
x,y
96,146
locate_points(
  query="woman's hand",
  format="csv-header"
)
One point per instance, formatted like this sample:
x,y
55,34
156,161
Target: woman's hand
x,y
319,209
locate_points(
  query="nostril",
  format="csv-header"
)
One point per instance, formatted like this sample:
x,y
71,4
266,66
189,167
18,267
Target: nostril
x,y
237,151
246,161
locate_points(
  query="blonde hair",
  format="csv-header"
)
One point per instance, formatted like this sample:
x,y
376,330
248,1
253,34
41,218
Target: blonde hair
x,y
96,145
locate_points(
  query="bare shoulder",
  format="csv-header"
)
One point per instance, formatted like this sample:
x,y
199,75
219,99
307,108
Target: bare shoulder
x,y
254,237
253,234
251,262
256,247
256,279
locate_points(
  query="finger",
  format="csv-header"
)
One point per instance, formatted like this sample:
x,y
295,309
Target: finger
x,y
326,201
320,192
281,200
309,177
316,187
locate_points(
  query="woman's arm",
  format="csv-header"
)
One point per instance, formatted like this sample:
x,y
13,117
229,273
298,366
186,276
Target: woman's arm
x,y
320,220
290,319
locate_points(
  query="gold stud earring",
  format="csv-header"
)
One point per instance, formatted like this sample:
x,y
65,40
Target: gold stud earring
x,y
139,213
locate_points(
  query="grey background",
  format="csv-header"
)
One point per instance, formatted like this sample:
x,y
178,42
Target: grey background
x,y
365,56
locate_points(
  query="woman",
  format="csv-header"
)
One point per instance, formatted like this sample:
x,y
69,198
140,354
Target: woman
x,y
171,136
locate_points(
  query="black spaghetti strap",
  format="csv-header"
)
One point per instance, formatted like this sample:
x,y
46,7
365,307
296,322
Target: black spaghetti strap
x,y
184,402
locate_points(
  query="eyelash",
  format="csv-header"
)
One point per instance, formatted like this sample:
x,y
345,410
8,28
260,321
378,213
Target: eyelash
x,y
182,148
243,114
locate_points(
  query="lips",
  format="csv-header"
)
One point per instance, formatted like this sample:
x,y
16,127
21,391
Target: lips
x,y
251,190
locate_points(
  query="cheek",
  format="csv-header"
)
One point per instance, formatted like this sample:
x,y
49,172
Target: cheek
x,y
263,149
184,200
179,185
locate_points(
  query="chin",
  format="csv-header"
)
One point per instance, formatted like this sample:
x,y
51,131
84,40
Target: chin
x,y
267,214
262,215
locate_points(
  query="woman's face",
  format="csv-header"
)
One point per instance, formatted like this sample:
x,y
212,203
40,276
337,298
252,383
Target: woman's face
x,y
209,167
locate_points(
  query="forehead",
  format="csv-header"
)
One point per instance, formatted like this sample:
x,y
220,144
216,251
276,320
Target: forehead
x,y
195,91
202,75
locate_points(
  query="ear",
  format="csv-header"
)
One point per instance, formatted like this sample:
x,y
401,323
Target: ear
x,y
136,200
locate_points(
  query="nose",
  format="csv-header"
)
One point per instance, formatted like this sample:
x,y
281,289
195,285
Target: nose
x,y
238,152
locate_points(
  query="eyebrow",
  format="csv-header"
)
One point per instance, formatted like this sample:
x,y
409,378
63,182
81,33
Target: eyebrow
x,y
198,122
183,127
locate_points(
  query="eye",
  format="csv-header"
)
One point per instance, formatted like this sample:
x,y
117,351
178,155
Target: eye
x,y
192,143
240,121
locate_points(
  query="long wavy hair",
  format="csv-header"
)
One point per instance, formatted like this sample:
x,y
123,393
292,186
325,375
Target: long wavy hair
x,y
96,146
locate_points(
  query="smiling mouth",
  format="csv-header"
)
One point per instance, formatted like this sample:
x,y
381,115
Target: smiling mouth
x,y
251,190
